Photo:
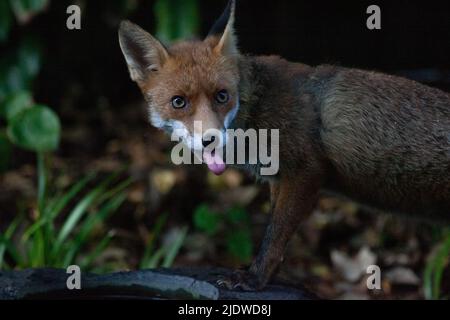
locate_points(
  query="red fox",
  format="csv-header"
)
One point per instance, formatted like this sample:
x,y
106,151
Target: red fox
x,y
381,140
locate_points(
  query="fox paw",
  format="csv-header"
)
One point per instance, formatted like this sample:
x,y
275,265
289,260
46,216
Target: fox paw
x,y
241,280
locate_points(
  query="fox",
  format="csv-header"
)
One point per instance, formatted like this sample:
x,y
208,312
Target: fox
x,y
380,140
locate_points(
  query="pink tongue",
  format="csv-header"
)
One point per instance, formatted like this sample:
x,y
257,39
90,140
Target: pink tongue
x,y
214,162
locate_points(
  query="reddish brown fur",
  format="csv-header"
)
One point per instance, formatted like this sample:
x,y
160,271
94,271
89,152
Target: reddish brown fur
x,y
381,140
195,71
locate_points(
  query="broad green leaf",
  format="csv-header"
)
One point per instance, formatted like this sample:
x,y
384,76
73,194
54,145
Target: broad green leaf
x,y
15,103
206,220
237,215
36,129
239,245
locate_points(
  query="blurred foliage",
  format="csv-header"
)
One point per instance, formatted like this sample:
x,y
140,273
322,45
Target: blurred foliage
x,y
435,268
28,125
37,128
176,19
23,10
165,255
233,226
40,242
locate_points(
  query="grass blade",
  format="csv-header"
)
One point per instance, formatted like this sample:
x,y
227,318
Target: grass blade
x,y
90,223
63,201
435,268
111,193
98,250
57,207
74,217
173,248
8,235
9,246
160,222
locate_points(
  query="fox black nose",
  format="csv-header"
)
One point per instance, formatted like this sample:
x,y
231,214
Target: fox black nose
x,y
208,141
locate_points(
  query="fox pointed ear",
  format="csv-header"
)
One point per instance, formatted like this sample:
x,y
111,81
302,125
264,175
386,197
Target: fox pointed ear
x,y
143,53
224,28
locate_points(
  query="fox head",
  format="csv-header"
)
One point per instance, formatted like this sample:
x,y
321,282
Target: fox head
x,y
188,83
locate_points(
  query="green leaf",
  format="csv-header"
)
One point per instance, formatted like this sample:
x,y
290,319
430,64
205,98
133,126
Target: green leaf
x,y
36,129
10,78
188,19
19,67
26,9
238,215
176,19
5,20
14,80
239,245
206,221
5,152
15,103
29,58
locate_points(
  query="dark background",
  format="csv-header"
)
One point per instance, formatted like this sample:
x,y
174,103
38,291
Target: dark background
x,y
414,41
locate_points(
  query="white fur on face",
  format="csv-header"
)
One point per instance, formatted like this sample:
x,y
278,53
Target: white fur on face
x,y
177,130
156,120
229,118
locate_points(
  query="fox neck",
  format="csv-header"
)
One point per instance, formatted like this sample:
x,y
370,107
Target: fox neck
x,y
265,81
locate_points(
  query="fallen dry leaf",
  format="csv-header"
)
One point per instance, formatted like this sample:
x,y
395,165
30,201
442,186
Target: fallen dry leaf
x,y
353,268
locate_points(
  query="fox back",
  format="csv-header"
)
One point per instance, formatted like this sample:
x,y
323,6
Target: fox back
x,y
381,140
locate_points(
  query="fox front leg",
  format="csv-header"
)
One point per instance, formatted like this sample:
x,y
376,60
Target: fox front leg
x,y
293,199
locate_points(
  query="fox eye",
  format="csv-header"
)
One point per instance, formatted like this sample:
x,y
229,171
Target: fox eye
x,y
178,102
222,96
